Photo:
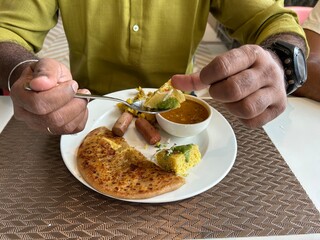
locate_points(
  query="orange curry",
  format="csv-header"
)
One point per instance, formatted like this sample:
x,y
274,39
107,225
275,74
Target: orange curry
x,y
190,112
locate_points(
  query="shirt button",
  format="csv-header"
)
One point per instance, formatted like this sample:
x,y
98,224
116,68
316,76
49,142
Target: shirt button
x,y
135,28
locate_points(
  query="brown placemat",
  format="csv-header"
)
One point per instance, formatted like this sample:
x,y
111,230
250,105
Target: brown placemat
x,y
40,199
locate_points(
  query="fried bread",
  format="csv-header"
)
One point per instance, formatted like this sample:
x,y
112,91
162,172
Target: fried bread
x,y
114,168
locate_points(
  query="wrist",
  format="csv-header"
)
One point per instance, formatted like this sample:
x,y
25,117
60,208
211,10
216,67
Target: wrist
x,y
275,58
293,63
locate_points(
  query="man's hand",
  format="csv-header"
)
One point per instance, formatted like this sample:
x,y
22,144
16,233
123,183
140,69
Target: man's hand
x,y
247,80
50,105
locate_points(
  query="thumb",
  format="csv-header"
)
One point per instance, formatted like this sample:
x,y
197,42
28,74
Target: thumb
x,y
48,73
190,82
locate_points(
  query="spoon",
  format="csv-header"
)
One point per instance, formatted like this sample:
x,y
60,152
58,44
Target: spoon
x,y
136,105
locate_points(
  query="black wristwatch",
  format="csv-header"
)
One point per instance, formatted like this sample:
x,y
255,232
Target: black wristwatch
x,y
294,64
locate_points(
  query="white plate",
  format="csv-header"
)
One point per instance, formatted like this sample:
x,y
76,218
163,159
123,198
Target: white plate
x,y
217,145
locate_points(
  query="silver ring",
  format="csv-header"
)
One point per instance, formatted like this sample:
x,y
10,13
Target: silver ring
x,y
48,129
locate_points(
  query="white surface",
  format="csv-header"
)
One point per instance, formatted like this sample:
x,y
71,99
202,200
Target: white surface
x,y
296,134
6,111
217,145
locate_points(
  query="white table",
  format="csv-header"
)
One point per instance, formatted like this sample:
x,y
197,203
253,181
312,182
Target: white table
x,y
6,111
295,133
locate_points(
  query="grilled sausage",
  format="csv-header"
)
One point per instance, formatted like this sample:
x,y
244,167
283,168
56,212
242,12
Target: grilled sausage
x,y
122,124
149,132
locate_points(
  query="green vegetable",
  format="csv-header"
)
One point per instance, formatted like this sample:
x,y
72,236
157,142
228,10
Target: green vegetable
x,y
169,103
184,149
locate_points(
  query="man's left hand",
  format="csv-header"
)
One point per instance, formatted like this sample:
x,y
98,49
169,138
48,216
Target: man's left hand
x,y
248,80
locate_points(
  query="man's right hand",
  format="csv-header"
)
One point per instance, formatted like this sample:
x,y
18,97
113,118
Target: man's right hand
x,y
50,105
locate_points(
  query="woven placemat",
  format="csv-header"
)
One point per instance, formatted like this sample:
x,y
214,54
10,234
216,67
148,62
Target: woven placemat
x,y
40,199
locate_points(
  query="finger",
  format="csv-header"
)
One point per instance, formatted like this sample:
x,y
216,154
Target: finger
x,y
237,86
189,82
48,73
76,125
250,106
69,119
258,108
259,121
84,91
44,102
229,63
67,113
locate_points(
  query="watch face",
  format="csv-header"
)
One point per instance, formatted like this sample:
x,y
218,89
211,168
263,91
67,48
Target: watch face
x,y
300,67
296,69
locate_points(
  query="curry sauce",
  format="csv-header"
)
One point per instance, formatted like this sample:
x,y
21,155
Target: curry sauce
x,y
190,112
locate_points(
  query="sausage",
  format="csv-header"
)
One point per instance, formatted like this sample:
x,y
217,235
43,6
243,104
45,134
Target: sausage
x,y
149,132
122,124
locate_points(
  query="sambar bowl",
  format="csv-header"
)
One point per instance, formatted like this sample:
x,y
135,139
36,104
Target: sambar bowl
x,y
190,119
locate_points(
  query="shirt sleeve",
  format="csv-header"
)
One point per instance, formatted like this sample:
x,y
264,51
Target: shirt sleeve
x,y
313,20
253,21
27,22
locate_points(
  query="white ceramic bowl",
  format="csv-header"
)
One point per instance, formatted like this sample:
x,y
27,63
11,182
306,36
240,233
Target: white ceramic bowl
x,y
186,130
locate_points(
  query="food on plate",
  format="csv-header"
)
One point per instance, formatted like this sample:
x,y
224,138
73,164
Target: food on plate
x,y
122,124
114,168
141,95
166,97
179,159
148,131
189,112
193,117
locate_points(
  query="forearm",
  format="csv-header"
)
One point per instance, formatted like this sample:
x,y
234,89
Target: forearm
x,y
10,55
313,41
311,89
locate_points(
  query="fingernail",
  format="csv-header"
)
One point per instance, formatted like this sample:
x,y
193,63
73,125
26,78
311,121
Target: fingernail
x,y
75,87
27,86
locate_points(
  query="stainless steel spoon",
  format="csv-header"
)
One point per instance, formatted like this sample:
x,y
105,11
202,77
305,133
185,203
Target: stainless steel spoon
x,y
136,105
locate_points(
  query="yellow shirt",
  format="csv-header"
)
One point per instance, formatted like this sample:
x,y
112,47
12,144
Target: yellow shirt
x,y
121,44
